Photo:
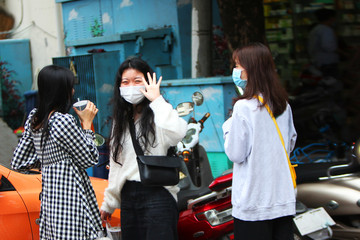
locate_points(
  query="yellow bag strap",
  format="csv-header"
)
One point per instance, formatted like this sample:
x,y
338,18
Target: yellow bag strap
x,y
291,167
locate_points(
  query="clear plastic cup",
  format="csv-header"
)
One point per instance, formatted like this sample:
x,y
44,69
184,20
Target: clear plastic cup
x,y
113,232
80,105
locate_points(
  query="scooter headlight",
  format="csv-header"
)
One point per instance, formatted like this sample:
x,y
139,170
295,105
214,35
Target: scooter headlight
x,y
215,217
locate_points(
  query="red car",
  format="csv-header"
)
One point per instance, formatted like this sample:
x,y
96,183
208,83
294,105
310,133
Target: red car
x,y
20,204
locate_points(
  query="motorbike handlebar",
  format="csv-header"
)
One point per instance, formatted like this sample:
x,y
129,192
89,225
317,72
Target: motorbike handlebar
x,y
186,155
206,116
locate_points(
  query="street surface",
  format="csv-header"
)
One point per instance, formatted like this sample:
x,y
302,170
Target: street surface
x,y
8,142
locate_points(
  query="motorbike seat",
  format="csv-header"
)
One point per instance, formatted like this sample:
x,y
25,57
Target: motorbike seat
x,y
311,172
185,195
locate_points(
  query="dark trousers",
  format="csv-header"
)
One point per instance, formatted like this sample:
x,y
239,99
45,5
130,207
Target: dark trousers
x,y
275,229
148,213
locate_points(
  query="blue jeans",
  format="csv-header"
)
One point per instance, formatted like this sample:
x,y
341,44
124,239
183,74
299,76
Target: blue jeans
x,y
148,213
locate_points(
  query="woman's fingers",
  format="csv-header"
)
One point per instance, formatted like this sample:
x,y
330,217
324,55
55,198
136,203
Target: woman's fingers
x,y
154,77
149,78
76,110
159,82
105,215
152,87
92,107
152,80
145,82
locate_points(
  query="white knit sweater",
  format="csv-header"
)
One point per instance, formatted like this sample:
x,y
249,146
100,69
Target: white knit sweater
x,y
170,129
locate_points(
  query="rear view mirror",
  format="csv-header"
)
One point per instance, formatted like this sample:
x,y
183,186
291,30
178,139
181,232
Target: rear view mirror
x,y
197,98
239,91
184,108
99,140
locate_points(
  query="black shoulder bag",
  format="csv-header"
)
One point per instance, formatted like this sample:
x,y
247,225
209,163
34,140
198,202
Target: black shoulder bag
x,y
155,170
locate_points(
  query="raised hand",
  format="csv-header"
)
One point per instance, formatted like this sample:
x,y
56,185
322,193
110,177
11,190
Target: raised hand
x,y
152,89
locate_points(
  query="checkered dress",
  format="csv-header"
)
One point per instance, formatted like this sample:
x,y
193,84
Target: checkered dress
x,y
69,209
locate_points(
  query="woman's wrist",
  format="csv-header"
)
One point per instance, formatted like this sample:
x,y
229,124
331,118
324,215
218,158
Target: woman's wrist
x,y
86,125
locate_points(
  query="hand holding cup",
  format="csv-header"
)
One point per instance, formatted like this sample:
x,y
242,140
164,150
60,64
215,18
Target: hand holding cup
x,y
86,110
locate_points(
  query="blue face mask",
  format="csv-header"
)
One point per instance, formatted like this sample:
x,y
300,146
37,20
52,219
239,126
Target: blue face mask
x,y
236,76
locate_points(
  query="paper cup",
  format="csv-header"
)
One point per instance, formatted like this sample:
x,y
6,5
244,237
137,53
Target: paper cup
x,y
80,105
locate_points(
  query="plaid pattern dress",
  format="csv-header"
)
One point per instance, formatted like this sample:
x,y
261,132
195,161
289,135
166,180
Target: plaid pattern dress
x,y
69,209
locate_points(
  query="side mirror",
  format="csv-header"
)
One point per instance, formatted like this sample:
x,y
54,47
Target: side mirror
x,y
99,140
184,108
239,91
0,179
197,98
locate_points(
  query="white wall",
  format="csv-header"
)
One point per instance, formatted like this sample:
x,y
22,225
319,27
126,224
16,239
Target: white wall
x,y
41,22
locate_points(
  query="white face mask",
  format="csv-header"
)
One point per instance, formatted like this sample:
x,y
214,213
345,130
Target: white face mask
x,y
132,94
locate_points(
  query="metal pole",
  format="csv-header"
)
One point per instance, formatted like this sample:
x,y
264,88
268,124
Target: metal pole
x,y
201,38
60,30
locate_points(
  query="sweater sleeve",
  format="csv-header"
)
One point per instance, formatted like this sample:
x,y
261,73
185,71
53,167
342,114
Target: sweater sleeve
x,y
236,137
78,143
166,118
293,133
25,156
112,194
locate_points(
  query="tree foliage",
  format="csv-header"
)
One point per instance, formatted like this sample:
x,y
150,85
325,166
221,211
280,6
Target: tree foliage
x,y
12,103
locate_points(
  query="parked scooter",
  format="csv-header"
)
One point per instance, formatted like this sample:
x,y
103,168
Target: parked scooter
x,y
204,203
335,186
328,172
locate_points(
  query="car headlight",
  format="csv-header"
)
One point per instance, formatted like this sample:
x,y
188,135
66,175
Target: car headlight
x,y
215,217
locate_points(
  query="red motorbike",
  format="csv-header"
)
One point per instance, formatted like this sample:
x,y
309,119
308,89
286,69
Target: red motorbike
x,y
204,203
209,216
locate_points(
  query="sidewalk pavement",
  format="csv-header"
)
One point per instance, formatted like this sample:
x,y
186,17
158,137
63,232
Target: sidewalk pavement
x,y
8,142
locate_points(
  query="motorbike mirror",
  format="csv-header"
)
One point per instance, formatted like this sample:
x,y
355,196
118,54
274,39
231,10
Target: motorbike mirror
x,y
99,140
197,98
184,108
239,91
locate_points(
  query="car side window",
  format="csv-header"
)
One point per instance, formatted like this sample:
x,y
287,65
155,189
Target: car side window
x,y
6,185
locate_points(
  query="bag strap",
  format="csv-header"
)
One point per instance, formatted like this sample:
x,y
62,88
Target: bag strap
x,y
135,142
291,167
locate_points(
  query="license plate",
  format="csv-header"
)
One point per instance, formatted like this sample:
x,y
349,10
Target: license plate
x,y
313,220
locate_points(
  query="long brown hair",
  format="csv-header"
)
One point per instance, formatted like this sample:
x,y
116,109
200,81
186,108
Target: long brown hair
x,y
262,78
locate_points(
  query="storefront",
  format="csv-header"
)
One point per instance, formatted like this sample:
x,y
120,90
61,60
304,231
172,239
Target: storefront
x,y
288,23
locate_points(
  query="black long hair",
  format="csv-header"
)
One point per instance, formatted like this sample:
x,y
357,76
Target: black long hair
x,y
123,111
55,93
262,78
